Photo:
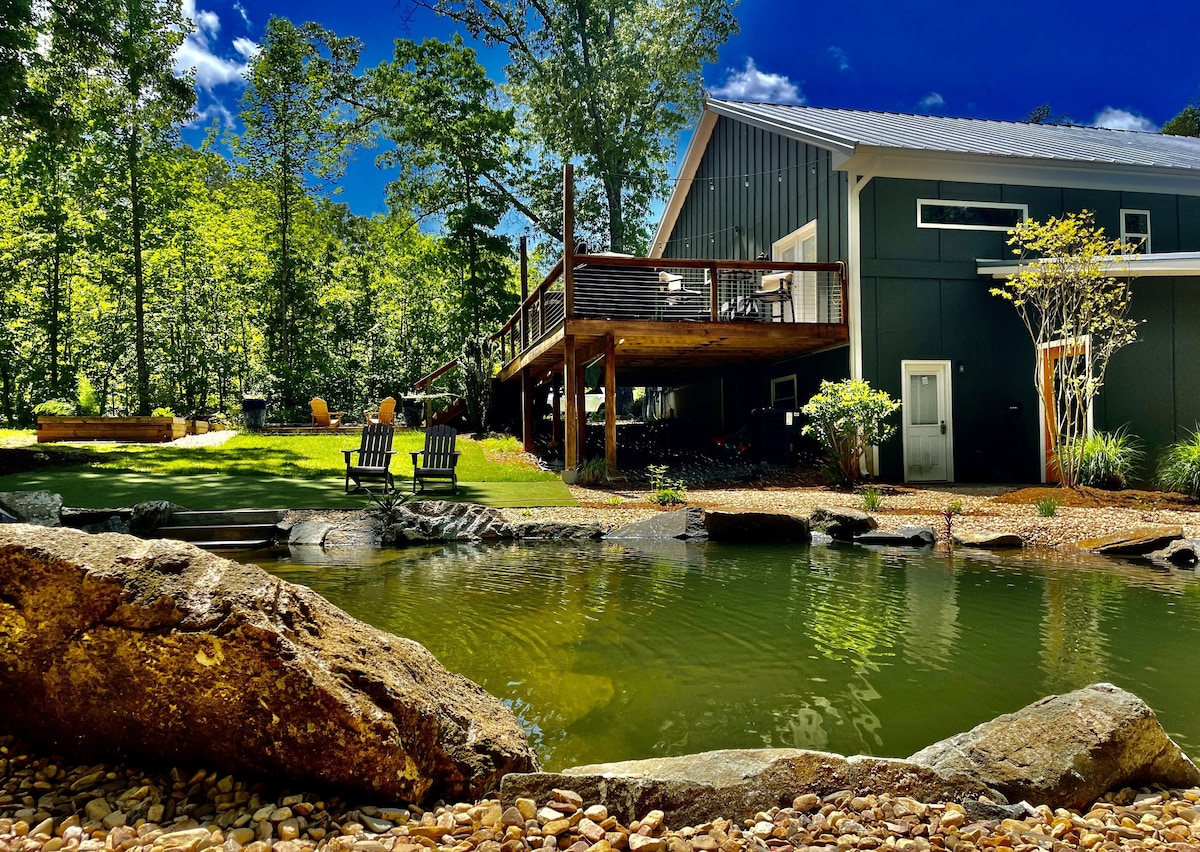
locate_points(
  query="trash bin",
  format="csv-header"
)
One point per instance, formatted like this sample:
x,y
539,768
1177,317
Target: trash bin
x,y
769,435
411,410
254,413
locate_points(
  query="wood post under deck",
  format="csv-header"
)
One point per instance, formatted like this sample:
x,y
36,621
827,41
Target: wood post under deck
x,y
570,380
527,424
610,404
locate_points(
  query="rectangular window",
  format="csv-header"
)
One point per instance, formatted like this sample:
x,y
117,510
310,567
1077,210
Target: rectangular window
x,y
783,393
969,215
1135,229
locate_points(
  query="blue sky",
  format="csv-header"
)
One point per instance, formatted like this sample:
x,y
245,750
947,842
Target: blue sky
x,y
1121,65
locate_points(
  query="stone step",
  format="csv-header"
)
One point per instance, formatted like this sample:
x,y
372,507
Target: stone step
x,y
227,517
218,532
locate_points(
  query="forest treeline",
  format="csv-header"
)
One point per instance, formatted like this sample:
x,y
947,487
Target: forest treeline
x,y
138,272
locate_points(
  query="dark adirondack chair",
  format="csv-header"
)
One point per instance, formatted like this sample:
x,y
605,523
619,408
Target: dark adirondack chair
x,y
374,456
438,459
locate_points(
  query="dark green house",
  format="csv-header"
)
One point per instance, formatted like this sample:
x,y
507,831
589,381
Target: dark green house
x,y
918,207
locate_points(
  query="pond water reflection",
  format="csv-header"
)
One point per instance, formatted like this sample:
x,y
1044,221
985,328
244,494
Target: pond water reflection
x,y
616,651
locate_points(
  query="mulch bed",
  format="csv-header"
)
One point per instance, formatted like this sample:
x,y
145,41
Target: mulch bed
x,y
1098,498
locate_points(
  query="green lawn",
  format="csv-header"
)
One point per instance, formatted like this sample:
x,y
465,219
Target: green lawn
x,y
304,471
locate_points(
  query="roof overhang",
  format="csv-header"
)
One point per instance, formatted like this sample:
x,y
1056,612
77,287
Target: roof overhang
x,y
1021,171
1166,265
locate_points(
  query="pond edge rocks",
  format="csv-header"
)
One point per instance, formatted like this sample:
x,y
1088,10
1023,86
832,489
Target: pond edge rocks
x,y
1062,751
117,646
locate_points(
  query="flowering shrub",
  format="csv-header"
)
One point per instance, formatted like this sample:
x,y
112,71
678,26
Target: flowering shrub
x,y
846,417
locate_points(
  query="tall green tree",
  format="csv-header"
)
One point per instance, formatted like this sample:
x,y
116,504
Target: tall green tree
x,y
1063,294
298,132
450,138
138,104
607,83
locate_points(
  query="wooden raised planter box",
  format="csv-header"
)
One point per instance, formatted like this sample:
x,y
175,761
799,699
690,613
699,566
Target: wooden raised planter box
x,y
149,430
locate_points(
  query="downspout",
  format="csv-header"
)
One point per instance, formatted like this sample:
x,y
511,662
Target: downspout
x,y
870,460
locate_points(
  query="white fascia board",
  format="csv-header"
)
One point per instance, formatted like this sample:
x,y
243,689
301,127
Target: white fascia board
x,y
1020,171
684,181
1168,264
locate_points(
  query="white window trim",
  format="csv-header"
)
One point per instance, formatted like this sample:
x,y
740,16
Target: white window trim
x,y
1023,209
1144,246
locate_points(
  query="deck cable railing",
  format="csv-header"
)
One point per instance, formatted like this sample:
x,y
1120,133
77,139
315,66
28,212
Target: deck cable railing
x,y
619,287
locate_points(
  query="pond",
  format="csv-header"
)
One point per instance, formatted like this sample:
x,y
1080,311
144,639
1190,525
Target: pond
x,y
612,651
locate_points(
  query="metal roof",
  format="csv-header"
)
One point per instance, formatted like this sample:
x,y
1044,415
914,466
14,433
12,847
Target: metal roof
x,y
846,131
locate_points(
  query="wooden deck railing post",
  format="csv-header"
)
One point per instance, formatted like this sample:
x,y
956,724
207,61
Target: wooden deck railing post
x,y
845,293
568,272
524,322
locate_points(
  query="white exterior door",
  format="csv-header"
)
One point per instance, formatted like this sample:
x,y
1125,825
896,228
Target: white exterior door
x,y
928,430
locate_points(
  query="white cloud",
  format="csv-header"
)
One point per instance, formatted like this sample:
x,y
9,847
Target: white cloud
x,y
1122,119
932,101
246,47
241,10
750,84
839,57
212,110
198,52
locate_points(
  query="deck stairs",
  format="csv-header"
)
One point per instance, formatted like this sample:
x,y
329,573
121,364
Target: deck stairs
x,y
227,530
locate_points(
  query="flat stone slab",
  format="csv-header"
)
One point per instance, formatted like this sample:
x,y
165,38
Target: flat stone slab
x,y
557,530
685,524
734,783
764,527
1135,541
43,508
988,540
308,534
906,536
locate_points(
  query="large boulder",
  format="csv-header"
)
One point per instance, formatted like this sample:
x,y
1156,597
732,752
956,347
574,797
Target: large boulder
x,y
988,539
735,783
757,527
118,648
43,508
1066,750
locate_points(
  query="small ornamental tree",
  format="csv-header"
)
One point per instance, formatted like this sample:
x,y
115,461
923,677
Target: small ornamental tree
x,y
846,417
1074,309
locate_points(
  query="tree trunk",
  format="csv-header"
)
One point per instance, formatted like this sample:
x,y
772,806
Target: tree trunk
x,y
139,281
616,217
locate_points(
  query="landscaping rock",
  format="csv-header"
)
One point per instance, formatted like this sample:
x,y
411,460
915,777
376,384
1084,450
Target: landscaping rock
x,y
765,527
557,530
43,508
440,520
157,650
308,533
152,514
1184,553
1066,750
841,523
6,518
988,540
735,783
685,523
906,536
1133,542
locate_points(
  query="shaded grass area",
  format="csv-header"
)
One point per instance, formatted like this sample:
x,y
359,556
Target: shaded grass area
x,y
256,471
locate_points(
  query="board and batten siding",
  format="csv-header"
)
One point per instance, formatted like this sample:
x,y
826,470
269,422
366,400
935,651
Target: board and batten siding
x,y
923,299
763,187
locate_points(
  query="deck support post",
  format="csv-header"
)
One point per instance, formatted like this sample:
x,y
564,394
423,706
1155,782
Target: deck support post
x,y
610,404
527,424
556,413
570,382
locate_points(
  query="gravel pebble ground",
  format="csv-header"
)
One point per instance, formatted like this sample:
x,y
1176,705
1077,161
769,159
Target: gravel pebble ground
x,y
50,805
981,510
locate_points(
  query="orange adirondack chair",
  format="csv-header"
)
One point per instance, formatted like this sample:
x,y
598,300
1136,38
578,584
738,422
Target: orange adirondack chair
x,y
385,413
322,417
